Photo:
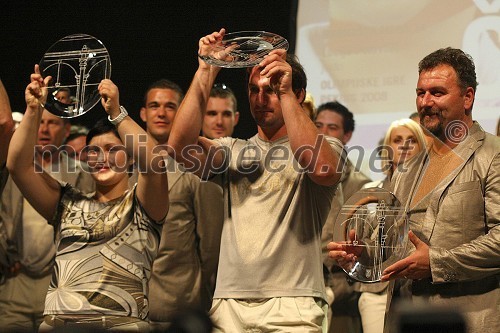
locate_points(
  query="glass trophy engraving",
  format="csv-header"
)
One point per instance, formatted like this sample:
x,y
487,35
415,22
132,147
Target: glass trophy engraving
x,y
372,226
244,49
77,64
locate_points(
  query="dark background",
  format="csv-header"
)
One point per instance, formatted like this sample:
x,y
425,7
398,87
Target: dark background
x,y
146,40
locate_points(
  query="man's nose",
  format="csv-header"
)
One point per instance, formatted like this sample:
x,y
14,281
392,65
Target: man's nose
x,y
162,112
426,100
262,97
43,127
218,119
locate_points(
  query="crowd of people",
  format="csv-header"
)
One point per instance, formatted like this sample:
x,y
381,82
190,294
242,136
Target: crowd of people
x,y
180,227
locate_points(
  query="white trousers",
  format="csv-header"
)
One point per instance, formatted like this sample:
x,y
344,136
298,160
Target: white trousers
x,y
280,314
372,310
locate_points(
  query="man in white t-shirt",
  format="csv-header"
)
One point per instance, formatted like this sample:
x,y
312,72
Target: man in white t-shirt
x,y
278,188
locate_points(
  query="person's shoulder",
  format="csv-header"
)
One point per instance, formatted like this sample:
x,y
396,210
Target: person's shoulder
x,y
224,141
489,148
356,174
492,142
231,142
376,183
487,140
71,193
182,182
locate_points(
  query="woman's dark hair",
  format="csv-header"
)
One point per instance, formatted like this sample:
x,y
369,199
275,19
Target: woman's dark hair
x,y
102,126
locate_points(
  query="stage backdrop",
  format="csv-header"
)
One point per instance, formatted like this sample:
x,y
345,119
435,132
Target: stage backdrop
x,y
364,53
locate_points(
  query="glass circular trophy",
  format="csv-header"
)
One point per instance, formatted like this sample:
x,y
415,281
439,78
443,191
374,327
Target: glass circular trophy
x,y
244,49
77,64
372,226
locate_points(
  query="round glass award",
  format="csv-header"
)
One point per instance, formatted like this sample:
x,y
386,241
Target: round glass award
x,y
77,64
372,226
244,49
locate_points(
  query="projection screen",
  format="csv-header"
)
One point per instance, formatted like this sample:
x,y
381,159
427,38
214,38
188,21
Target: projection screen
x,y
364,53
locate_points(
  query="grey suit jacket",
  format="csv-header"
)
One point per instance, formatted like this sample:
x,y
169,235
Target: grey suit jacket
x,y
461,224
184,272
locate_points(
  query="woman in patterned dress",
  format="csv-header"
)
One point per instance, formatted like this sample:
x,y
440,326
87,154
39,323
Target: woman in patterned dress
x,y
106,241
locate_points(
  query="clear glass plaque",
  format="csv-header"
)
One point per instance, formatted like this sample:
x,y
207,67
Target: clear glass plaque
x,y
77,64
373,226
244,49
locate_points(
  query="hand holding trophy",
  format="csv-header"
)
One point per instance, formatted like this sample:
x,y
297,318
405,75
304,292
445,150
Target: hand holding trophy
x,y
369,235
239,49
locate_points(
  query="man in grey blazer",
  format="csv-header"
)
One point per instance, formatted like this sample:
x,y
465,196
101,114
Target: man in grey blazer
x,y
451,194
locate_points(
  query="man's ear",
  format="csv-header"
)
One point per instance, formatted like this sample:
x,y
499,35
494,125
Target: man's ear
x,y
347,137
142,113
301,96
236,117
468,100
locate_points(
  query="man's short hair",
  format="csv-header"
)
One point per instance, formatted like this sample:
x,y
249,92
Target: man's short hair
x,y
164,84
299,78
63,89
347,116
77,131
461,62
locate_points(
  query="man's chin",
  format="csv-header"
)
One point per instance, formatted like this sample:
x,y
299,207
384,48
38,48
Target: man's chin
x,y
218,134
161,137
436,130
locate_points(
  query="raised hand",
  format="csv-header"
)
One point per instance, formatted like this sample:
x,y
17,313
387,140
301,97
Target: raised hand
x,y
212,46
279,72
110,97
36,92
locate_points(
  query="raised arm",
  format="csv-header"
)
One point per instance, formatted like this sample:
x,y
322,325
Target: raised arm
x,y
152,184
40,189
302,132
6,124
189,117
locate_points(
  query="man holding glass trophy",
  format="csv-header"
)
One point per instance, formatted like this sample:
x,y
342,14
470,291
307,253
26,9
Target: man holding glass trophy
x,y
278,188
450,197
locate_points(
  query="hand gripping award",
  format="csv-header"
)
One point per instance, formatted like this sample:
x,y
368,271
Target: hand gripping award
x,y
372,229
